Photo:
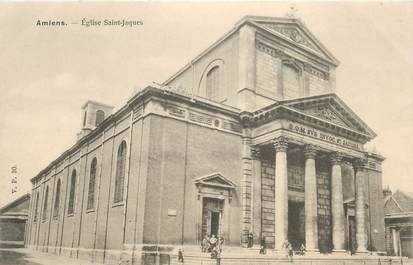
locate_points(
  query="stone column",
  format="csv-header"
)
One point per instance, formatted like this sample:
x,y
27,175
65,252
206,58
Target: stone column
x,y
311,225
281,192
246,189
395,241
256,195
337,206
361,235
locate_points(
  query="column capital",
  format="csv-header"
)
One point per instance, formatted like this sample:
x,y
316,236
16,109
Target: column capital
x,y
246,140
336,158
280,144
255,152
310,151
360,163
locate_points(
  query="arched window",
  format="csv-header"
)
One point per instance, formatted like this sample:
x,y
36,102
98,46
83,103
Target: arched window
x,y
212,83
291,81
92,180
100,116
71,206
46,198
36,206
120,172
57,200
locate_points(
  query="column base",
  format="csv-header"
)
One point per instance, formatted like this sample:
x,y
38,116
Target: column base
x,y
312,252
341,252
361,252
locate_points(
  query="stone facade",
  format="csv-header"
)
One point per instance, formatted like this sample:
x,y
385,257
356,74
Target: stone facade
x,y
237,143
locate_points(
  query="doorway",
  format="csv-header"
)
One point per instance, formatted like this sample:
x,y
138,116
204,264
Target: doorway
x,y
296,224
212,211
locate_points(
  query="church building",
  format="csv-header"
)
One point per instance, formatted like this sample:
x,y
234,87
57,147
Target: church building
x,y
249,138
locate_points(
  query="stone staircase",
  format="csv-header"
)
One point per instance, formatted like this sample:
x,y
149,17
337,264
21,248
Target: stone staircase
x,y
242,256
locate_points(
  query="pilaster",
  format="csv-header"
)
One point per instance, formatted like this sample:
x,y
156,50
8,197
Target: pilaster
x,y
246,188
256,194
246,68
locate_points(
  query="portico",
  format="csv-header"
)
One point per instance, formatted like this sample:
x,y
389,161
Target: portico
x,y
306,153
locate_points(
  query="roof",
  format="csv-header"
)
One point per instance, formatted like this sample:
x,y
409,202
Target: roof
x,y
280,27
16,207
96,103
399,202
141,96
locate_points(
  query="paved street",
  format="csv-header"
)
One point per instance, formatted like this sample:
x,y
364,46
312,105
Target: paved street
x,y
22,256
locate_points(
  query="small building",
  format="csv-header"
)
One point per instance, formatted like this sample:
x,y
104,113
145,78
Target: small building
x,y
13,218
398,209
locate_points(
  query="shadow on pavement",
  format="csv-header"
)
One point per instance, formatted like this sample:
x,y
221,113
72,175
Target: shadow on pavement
x,y
8,257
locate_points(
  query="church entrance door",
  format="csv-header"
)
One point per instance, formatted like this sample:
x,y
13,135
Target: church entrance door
x,y
296,224
212,210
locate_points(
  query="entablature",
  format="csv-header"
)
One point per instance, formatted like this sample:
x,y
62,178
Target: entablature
x,y
324,112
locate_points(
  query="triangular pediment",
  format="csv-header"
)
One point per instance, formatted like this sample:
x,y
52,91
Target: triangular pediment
x,y
215,180
331,109
295,32
328,113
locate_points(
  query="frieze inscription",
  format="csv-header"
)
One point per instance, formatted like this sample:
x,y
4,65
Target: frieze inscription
x,y
231,126
137,112
177,112
200,118
311,132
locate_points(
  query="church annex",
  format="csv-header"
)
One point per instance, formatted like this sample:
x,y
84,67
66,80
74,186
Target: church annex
x,y
249,137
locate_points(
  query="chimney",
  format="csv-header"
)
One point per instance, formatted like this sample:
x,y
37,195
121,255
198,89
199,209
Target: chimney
x,y
386,192
93,114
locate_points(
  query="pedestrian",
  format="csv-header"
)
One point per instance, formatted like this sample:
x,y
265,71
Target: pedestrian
x,y
205,243
288,249
213,241
302,250
213,246
180,256
220,243
263,247
250,239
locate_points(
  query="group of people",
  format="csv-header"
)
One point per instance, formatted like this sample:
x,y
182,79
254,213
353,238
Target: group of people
x,y
288,248
213,245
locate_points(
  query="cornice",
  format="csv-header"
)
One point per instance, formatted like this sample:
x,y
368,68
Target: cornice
x,y
283,112
141,98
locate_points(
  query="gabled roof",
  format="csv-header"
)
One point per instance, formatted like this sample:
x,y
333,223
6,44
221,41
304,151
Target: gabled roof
x,y
215,180
16,206
294,31
291,30
327,110
398,202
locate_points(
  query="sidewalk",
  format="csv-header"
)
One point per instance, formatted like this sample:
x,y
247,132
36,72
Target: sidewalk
x,y
23,256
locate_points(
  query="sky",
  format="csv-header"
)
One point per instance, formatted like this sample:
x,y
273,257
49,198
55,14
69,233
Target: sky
x,y
47,73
